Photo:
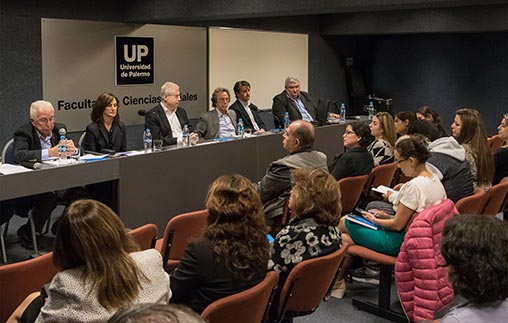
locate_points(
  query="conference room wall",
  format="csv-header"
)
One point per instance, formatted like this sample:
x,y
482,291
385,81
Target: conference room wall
x,y
20,50
445,71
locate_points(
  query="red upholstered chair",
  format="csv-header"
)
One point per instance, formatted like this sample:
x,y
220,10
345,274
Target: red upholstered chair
x,y
20,279
495,198
473,204
494,143
179,231
307,284
145,236
350,191
249,306
380,175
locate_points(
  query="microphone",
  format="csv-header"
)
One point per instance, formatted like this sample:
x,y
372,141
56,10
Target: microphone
x,y
62,132
141,113
31,164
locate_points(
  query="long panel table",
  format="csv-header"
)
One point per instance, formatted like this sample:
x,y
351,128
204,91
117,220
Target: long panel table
x,y
156,186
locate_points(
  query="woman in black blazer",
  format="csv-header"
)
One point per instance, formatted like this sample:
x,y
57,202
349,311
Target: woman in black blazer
x,y
106,133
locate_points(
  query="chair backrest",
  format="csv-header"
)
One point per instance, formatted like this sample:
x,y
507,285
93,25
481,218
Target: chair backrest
x,y
145,236
350,191
380,175
308,283
494,198
249,306
472,204
494,143
19,279
8,153
81,138
268,119
179,231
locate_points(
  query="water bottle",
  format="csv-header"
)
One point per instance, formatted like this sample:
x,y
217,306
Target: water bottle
x,y
147,140
342,110
371,110
62,148
240,129
185,136
287,121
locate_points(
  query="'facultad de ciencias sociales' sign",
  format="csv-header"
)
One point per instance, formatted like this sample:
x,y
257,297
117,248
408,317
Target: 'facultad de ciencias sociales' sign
x,y
134,65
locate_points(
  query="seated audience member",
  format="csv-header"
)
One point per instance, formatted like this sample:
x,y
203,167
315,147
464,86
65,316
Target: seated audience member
x,y
383,129
37,141
315,213
501,155
469,131
298,104
275,186
422,191
167,120
220,122
106,132
427,113
155,313
474,249
104,135
245,109
356,160
233,253
447,160
102,268
401,122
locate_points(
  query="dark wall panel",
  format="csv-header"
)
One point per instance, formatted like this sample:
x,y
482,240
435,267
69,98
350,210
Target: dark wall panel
x,y
20,50
446,71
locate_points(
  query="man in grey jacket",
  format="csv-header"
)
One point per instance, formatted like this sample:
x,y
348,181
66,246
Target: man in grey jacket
x,y
275,186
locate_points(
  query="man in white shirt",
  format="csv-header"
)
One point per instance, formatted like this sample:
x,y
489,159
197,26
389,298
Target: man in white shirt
x,y
167,120
220,122
245,109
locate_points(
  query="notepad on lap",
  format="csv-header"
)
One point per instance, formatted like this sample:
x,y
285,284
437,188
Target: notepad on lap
x,y
383,189
358,219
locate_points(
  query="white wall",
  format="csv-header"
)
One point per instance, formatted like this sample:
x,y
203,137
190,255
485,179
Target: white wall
x,y
264,59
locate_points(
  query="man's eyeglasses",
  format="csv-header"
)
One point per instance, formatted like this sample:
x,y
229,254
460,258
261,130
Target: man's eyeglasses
x,y
45,120
349,132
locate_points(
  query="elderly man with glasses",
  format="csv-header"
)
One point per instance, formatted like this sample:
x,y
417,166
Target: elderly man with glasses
x,y
37,141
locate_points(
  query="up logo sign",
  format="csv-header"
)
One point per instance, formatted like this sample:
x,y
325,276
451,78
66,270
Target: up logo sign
x,y
134,60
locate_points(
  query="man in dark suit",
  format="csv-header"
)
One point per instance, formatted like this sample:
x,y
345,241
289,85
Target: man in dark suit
x,y
167,120
246,110
38,141
298,104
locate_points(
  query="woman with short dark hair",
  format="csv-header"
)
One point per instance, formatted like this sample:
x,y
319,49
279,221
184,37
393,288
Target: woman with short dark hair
x,y
106,132
356,160
474,249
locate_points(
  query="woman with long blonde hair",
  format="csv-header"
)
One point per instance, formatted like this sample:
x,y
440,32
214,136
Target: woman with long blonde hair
x,y
382,128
